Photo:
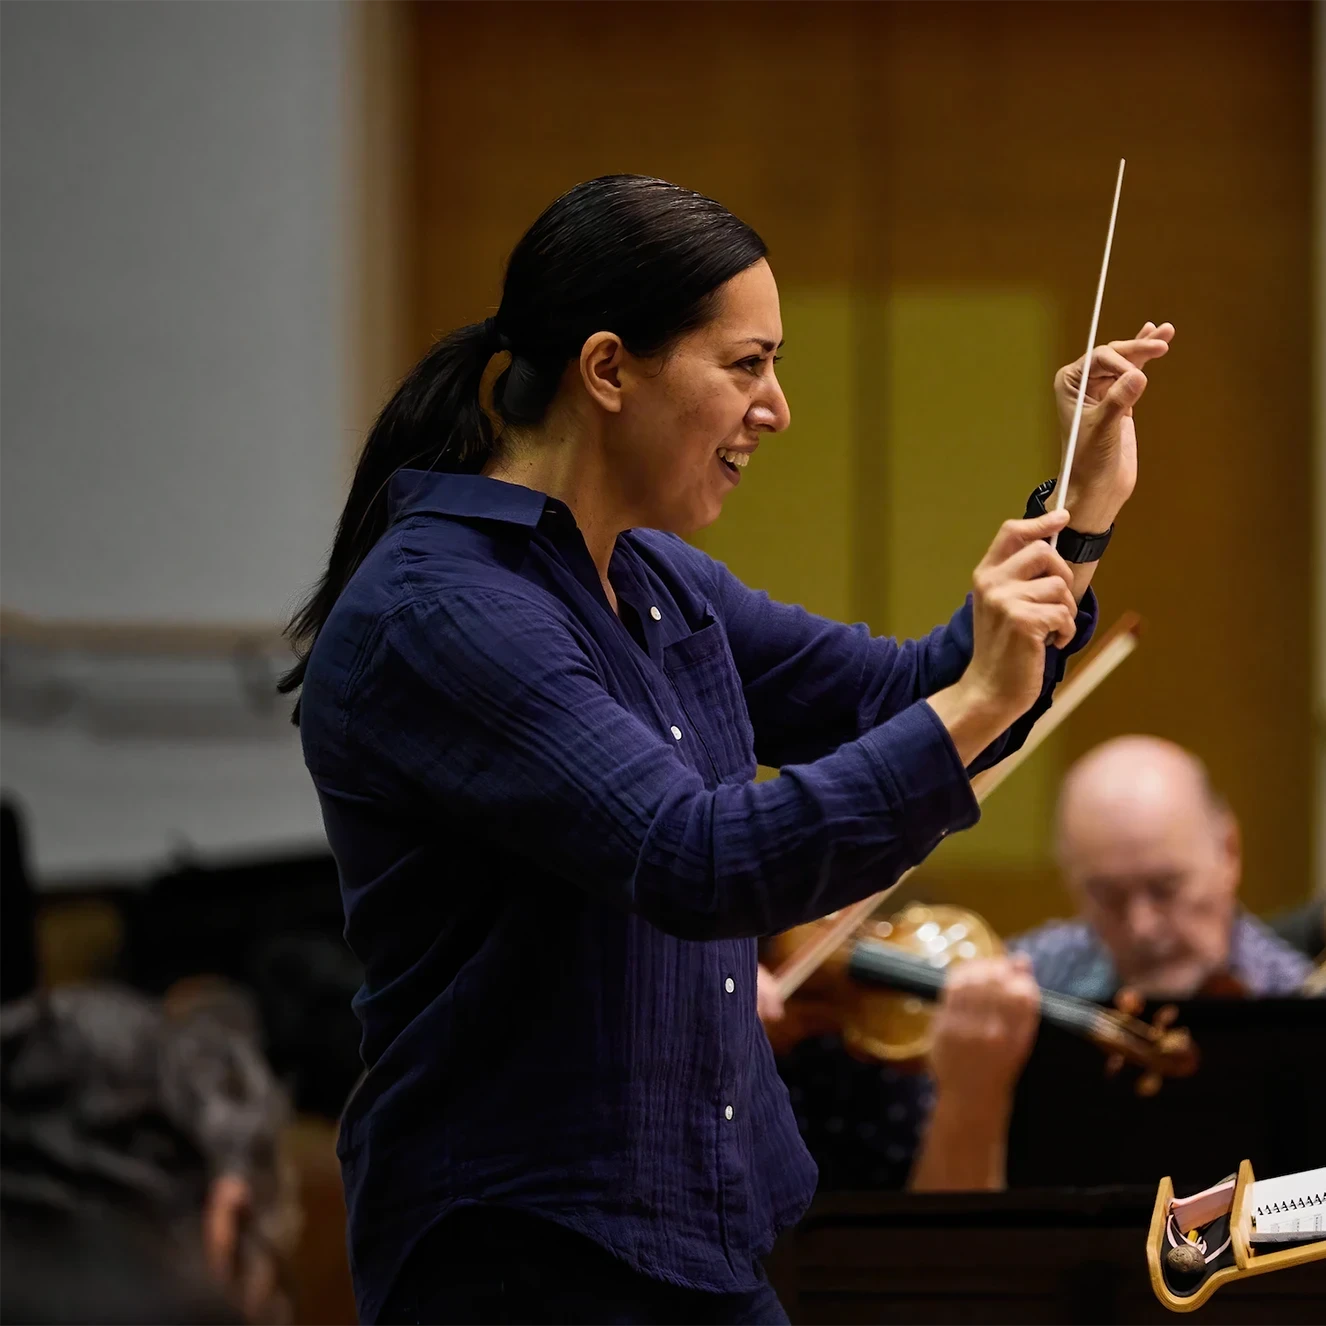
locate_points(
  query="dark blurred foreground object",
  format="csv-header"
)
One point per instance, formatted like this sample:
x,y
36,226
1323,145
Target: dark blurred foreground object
x,y
78,1269
18,938
1032,1256
1257,1091
273,926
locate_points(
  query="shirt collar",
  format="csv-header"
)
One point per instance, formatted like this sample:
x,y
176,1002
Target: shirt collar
x,y
1261,960
414,492
1094,976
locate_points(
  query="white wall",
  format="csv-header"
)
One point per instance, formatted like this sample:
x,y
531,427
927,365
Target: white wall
x,y
173,342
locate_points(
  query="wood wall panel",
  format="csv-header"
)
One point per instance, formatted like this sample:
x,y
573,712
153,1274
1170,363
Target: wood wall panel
x,y
518,102
1003,124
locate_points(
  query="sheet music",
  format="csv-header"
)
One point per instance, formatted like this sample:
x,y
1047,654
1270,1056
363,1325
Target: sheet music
x,y
1290,1207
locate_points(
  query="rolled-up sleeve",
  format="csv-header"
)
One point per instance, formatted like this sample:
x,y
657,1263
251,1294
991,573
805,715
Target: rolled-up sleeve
x,y
488,708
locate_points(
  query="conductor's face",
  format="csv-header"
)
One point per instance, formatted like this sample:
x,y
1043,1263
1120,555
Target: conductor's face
x,y
1154,862
688,422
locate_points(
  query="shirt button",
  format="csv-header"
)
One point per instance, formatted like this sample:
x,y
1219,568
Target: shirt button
x,y
729,985
655,614
676,732
727,1112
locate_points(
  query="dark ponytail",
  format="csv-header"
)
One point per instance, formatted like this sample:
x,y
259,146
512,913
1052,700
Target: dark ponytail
x,y
624,253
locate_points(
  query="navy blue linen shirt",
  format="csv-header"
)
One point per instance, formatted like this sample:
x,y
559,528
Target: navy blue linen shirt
x,y
554,860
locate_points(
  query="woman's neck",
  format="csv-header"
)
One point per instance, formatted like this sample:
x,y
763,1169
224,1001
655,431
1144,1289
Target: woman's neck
x,y
564,464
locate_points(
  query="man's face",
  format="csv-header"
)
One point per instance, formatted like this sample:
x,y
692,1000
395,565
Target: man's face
x,y
1155,869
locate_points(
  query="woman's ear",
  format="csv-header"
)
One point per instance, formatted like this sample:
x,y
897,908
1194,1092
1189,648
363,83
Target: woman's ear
x,y
601,359
227,1211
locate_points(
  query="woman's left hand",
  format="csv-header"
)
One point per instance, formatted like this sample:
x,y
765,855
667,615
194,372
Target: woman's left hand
x,y
1105,466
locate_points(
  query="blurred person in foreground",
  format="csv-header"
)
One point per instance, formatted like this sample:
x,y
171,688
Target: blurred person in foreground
x,y
96,1270
140,1178
1151,856
533,712
871,1125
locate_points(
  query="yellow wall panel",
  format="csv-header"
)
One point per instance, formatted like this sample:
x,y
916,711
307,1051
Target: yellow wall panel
x,y
971,430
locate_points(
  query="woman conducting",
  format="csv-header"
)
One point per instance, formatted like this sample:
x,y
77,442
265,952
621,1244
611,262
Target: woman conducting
x,y
533,715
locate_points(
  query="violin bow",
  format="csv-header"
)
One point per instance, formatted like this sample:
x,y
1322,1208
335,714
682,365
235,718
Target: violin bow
x,y
1100,660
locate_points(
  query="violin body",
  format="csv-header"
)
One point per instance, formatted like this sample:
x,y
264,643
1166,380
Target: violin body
x,y
876,990
887,1026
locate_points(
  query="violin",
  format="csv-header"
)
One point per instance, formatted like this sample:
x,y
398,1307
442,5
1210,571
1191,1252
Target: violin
x,y
876,992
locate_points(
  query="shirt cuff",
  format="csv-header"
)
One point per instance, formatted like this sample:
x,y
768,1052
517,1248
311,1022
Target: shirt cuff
x,y
922,770
1088,614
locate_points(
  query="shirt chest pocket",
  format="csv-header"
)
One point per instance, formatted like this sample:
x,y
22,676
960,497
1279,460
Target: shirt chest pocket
x,y
704,677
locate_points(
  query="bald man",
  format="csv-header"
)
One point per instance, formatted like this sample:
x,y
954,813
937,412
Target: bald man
x,y
1151,856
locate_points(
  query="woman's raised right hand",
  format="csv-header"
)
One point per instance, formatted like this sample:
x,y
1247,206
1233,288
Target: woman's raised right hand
x,y
1022,600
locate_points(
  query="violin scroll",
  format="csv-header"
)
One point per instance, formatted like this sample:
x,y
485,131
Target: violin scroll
x,y
1159,1048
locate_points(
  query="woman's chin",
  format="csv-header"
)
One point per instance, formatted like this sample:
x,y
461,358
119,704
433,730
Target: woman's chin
x,y
690,518
703,519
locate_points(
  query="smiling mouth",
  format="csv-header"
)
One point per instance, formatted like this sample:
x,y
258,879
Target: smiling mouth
x,y
733,461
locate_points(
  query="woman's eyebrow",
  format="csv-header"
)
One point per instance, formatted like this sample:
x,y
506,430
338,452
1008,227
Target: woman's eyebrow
x,y
766,346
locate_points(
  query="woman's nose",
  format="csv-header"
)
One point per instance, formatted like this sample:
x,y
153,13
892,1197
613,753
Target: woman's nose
x,y
769,412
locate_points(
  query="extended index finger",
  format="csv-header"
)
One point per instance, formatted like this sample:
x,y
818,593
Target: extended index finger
x,y
1140,350
1163,330
1151,342
1017,534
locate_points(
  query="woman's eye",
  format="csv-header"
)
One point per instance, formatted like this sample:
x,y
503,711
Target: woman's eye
x,y
756,362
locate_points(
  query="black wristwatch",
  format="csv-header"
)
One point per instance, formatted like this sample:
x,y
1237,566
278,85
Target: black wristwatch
x,y
1073,546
